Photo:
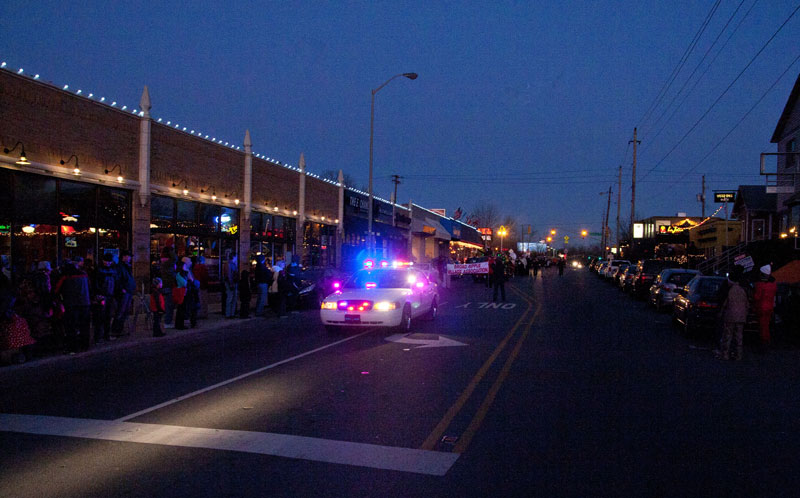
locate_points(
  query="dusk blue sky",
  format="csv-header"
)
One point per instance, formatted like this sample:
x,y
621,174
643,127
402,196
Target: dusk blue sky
x,y
529,105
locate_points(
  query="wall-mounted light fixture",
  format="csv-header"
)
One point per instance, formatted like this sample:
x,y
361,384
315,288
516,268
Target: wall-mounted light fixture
x,y
185,186
117,167
77,169
23,159
213,192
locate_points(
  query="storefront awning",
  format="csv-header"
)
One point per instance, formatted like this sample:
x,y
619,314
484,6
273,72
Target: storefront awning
x,y
429,227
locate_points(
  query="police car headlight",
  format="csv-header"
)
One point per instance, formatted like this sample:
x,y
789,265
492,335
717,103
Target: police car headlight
x,y
329,305
384,306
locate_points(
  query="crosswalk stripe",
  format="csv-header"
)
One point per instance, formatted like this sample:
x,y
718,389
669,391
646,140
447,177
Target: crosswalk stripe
x,y
282,445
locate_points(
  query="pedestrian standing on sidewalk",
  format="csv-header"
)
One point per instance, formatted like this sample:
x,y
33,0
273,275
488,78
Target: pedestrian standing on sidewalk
x,y
104,303
157,307
230,278
499,278
73,287
764,303
263,280
561,264
245,294
169,260
200,271
734,316
125,291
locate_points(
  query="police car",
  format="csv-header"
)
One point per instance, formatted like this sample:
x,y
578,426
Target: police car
x,y
381,296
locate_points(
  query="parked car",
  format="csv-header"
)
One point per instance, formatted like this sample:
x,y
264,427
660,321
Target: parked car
x,y
314,284
649,269
626,281
697,304
617,275
612,266
601,267
666,285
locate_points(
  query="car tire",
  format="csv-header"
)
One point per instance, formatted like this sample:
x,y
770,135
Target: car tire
x,y
405,320
434,311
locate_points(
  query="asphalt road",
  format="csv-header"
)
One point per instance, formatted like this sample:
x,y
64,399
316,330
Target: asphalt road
x,y
568,389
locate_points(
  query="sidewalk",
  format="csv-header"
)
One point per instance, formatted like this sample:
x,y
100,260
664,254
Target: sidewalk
x,y
142,334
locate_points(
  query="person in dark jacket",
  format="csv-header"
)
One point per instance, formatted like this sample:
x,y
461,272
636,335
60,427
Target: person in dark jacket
x,y
499,277
245,294
561,264
263,279
104,303
125,291
73,287
169,261
284,285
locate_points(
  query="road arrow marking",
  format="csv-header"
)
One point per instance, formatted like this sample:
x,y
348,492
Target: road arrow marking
x,y
439,342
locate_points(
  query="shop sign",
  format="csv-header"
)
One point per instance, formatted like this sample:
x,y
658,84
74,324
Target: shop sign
x,y
429,230
485,231
468,268
725,196
638,230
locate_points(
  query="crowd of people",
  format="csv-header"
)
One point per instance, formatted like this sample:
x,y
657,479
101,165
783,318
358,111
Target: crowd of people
x,y
70,307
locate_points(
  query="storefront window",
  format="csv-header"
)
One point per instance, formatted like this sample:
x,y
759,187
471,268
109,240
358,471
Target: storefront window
x,y
113,208
186,214
229,221
208,217
162,211
31,244
38,195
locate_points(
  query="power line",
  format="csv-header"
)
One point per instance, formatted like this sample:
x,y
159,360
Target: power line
x,y
705,71
737,123
723,93
680,64
686,82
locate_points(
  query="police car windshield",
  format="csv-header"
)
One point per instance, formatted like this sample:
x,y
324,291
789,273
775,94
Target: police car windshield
x,y
381,279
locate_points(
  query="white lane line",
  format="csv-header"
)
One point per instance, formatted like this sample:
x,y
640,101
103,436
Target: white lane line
x,y
305,448
226,382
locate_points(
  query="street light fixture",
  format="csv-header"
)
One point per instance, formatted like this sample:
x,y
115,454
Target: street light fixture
x,y
553,232
502,232
584,233
411,76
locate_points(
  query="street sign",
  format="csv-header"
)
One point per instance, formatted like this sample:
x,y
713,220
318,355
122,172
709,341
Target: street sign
x,y
722,196
566,239
595,234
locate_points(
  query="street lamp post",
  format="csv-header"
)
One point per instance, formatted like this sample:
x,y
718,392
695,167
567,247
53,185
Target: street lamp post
x,y
502,232
411,76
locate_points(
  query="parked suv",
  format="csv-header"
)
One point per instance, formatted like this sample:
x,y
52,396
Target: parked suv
x,y
649,269
666,285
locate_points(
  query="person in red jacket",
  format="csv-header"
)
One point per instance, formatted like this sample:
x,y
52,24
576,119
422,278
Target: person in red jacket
x,y
157,306
764,302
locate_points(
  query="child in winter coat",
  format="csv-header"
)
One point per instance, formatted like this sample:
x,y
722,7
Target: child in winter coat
x,y
157,306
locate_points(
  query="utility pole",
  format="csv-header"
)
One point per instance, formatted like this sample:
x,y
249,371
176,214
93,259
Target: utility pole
x,y
619,201
396,181
605,226
633,179
703,197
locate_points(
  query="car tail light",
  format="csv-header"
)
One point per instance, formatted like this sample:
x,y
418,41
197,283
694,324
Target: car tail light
x,y
371,285
705,304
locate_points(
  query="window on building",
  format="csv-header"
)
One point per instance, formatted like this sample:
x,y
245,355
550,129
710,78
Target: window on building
x,y
186,214
758,230
208,217
229,221
39,195
162,211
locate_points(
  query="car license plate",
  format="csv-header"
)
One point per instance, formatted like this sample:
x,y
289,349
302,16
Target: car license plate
x,y
352,319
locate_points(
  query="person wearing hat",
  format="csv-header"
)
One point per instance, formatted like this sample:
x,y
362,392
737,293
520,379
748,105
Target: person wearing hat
x,y
764,302
734,316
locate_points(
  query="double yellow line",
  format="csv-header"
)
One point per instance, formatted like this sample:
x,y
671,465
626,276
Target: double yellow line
x,y
477,420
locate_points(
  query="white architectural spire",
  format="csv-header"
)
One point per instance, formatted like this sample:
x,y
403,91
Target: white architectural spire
x,y
144,102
